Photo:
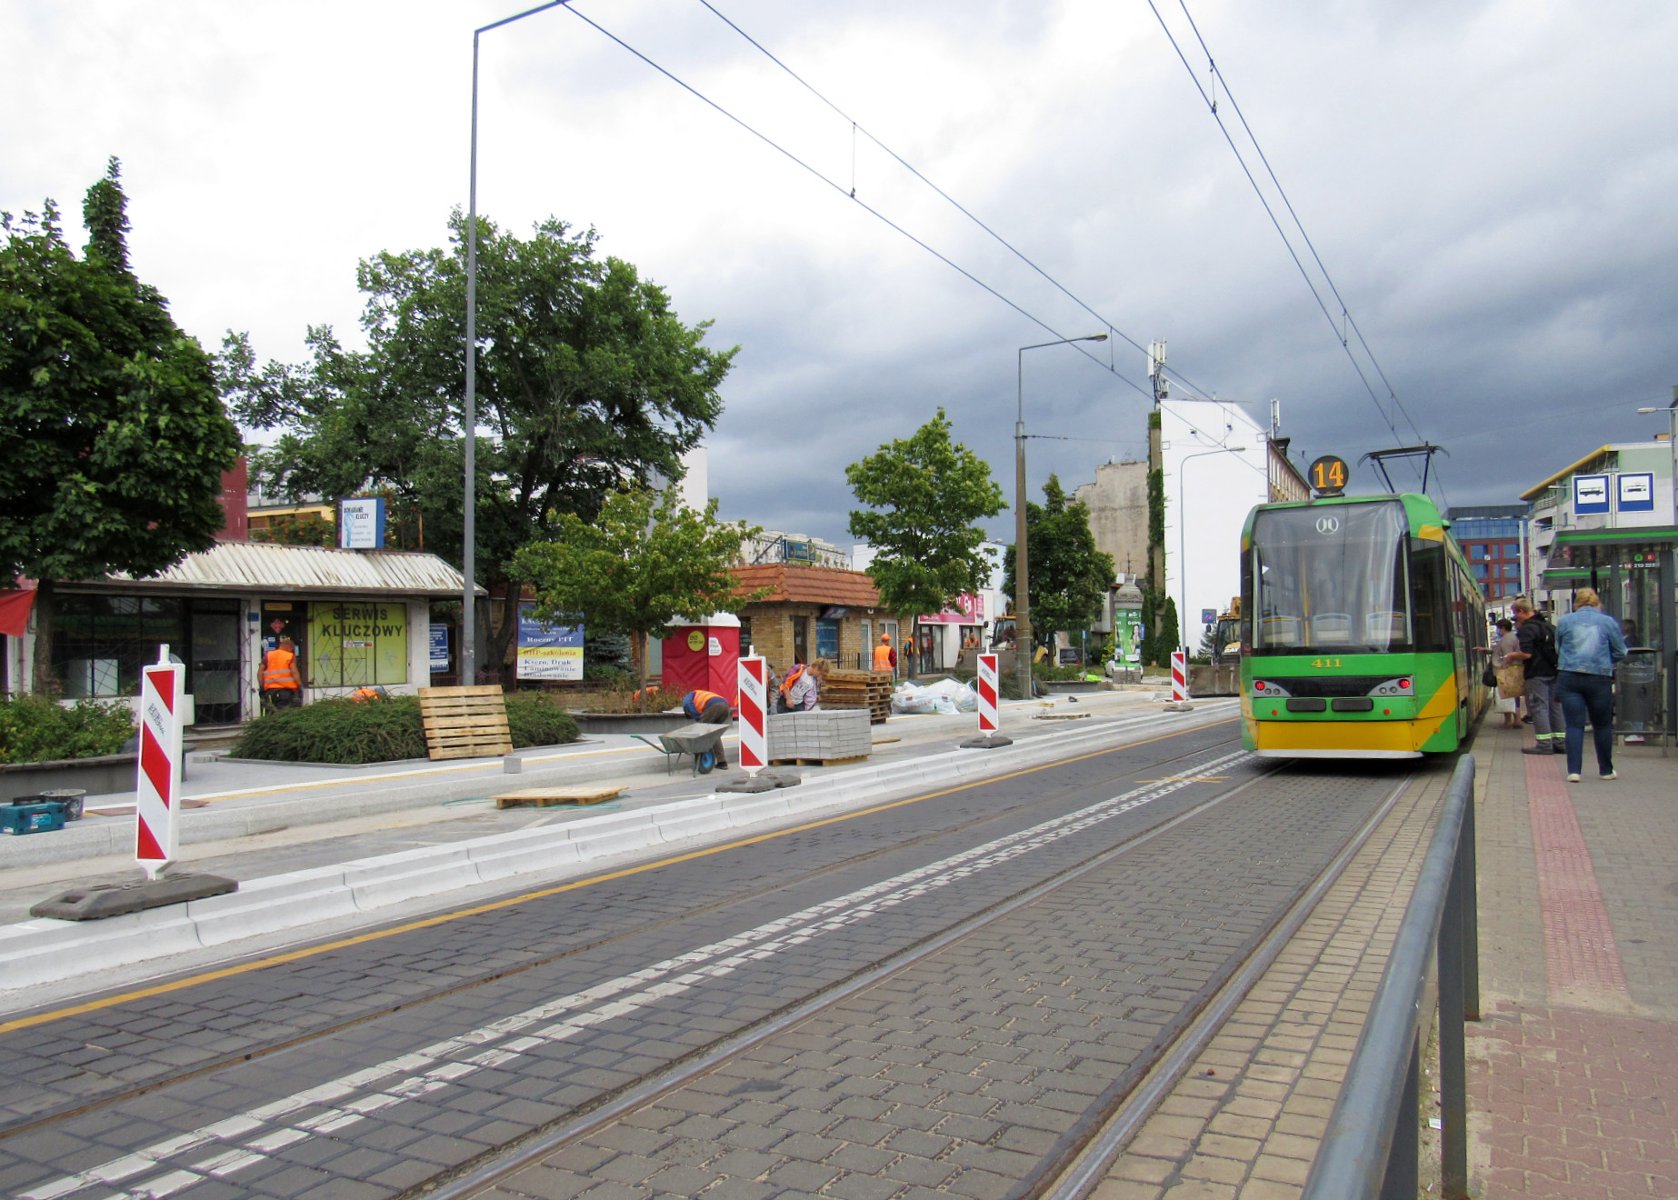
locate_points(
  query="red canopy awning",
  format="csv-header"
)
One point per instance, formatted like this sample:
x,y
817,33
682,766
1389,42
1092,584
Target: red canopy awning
x,y
14,611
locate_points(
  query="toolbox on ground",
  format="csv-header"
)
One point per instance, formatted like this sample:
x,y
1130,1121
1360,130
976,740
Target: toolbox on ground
x,y
31,814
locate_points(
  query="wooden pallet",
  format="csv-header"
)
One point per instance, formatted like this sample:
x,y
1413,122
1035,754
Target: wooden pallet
x,y
859,689
550,796
816,762
465,722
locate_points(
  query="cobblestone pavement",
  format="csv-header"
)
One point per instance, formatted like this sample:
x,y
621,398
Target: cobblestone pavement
x,y
1058,1009
1574,1069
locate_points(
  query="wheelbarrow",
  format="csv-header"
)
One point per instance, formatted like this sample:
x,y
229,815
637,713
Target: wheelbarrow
x,y
699,740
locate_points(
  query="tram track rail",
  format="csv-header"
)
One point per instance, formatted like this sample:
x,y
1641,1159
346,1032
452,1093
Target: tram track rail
x,y
1076,1156
991,819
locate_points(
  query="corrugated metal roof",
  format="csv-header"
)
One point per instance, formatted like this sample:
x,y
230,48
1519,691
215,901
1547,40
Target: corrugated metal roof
x,y
265,566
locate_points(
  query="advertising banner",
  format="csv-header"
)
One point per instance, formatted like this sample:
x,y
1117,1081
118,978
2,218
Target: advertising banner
x,y
361,524
548,651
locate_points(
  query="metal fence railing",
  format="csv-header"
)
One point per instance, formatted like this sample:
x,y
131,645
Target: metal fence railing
x,y
1372,1146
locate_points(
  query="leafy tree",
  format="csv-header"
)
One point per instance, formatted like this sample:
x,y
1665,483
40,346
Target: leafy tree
x,y
644,560
586,381
115,438
301,529
925,494
1069,576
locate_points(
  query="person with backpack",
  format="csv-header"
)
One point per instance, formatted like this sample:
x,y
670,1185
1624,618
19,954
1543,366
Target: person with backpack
x,y
1537,654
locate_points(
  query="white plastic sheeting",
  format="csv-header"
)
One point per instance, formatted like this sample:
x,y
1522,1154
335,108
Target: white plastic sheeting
x,y
947,696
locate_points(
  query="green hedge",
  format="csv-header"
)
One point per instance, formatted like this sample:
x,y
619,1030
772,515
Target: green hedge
x,y
39,729
346,732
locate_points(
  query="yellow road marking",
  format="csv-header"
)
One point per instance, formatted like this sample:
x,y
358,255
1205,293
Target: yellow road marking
x,y
289,956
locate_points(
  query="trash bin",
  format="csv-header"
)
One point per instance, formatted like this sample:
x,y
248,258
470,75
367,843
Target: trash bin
x,y
1637,691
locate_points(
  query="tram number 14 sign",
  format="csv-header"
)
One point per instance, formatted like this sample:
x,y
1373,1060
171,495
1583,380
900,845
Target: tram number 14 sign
x,y
1328,475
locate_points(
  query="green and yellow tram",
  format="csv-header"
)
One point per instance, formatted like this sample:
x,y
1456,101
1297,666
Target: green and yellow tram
x,y
1359,624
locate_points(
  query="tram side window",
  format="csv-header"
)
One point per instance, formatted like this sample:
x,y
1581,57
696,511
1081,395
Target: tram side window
x,y
1431,595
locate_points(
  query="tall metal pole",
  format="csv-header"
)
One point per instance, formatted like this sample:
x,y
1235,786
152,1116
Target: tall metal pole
x,y
469,409
1022,570
469,412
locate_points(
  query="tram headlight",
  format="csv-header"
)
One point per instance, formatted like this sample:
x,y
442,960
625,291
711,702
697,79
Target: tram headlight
x,y
1401,686
1268,689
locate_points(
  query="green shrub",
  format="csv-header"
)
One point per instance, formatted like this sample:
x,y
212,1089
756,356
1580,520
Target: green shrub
x,y
337,731
346,732
39,729
536,719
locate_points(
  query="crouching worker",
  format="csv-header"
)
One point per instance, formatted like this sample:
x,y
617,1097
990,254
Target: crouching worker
x,y
364,695
710,709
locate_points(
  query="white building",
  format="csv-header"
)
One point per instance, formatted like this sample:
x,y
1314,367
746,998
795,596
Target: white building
x,y
1216,464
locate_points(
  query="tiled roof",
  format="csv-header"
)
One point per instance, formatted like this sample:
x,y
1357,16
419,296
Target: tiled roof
x,y
794,583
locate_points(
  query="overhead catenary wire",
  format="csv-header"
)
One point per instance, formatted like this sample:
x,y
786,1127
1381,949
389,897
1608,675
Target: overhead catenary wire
x,y
872,211
895,226
1215,74
857,128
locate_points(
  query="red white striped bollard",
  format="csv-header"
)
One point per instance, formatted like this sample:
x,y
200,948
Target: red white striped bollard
x,y
985,688
158,782
754,705
987,694
1179,682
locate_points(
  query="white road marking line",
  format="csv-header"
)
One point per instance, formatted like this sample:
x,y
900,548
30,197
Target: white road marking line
x,y
352,1098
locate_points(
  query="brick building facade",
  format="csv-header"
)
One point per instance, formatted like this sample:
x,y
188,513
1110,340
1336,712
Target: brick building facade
x,y
811,612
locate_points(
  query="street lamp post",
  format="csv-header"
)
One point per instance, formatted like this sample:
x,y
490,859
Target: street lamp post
x,y
469,409
1022,576
1182,541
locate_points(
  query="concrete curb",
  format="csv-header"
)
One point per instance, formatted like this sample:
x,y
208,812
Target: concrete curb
x,y
45,951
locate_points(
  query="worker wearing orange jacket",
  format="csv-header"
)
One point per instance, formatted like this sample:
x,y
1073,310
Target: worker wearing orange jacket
x,y
885,658
282,682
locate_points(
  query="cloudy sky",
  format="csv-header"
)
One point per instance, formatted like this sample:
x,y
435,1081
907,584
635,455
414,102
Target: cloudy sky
x,y
1491,187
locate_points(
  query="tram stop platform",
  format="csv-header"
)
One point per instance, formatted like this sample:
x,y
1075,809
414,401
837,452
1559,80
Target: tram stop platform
x,y
1573,1066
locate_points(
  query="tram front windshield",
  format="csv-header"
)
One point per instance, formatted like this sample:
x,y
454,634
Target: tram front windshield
x,y
1331,579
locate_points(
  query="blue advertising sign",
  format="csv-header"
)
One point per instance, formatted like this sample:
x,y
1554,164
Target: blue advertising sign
x,y
548,651
439,649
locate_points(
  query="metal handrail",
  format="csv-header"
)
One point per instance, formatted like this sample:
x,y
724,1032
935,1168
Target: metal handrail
x,y
1372,1143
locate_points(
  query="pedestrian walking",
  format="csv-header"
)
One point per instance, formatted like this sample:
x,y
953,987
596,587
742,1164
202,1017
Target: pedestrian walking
x,y
1537,656
1589,645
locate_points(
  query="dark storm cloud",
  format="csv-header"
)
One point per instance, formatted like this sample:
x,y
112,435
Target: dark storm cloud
x,y
1489,185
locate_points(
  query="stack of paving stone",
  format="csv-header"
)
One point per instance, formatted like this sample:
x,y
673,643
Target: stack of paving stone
x,y
820,736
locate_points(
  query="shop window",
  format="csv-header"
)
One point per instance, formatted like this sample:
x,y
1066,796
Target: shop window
x,y
100,643
357,644
827,639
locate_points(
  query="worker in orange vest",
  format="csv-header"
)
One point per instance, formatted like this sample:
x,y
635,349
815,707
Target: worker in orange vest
x,y
885,658
282,682
710,709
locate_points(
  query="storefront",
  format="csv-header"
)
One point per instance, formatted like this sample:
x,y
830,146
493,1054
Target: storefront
x,y
811,612
948,640
357,618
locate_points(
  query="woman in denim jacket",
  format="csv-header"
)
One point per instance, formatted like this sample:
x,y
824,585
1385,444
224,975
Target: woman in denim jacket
x,y
1589,644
